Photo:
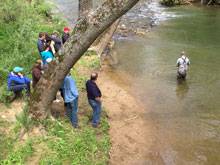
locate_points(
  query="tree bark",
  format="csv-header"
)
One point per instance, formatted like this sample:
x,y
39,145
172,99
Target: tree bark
x,y
103,40
84,34
85,7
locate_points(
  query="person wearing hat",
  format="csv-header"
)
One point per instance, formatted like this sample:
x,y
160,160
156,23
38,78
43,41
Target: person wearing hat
x,y
56,42
46,56
17,82
66,34
182,64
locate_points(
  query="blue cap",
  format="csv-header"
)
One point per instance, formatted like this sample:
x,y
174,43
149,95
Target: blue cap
x,y
17,69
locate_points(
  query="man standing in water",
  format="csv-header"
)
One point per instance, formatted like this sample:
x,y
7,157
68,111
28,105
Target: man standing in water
x,y
182,64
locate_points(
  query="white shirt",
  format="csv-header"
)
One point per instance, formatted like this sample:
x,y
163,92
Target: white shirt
x,y
183,62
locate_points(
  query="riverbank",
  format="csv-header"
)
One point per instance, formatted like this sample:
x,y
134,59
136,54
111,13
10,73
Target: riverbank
x,y
62,144
191,2
129,133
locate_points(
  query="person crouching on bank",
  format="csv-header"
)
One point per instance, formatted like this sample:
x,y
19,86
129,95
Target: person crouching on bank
x,y
17,82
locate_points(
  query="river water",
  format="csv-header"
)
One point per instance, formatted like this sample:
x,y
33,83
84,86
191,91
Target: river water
x,y
183,117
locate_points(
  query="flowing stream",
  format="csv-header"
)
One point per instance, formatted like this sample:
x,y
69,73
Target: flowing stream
x,y
183,117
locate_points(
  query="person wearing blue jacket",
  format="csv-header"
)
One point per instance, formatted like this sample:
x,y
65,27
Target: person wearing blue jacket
x,y
17,82
70,94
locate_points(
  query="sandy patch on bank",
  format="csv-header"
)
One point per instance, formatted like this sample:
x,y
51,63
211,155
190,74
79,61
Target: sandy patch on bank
x,y
129,132
8,113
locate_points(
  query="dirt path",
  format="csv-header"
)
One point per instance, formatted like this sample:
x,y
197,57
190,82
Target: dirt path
x,y
129,132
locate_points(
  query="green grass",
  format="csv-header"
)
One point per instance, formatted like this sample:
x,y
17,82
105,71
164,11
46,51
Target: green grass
x,y
19,155
71,146
63,144
6,142
90,63
20,23
80,79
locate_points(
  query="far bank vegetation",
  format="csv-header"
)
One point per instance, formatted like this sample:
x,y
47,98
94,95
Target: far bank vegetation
x,y
190,2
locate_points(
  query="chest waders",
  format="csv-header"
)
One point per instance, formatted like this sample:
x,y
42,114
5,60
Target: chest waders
x,y
182,70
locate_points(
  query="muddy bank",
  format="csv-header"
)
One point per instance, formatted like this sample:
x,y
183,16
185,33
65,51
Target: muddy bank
x,y
129,133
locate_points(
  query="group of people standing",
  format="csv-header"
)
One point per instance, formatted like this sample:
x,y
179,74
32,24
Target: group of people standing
x,y
48,47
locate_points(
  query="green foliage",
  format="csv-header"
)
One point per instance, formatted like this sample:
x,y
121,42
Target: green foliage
x,y
19,155
6,142
24,119
5,95
20,24
79,78
70,146
90,53
94,62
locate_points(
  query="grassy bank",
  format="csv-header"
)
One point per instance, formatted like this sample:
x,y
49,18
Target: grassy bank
x,y
63,144
20,24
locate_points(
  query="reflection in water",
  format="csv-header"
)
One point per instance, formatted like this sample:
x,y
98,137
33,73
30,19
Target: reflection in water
x,y
181,89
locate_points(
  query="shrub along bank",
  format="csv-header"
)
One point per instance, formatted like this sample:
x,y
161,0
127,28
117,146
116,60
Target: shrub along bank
x,y
20,24
180,2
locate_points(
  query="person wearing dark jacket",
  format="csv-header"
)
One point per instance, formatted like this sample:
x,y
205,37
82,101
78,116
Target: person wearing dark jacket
x,y
17,82
94,97
56,41
66,34
41,42
37,72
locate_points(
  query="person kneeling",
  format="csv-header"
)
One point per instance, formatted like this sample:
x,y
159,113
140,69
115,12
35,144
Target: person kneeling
x,y
70,95
17,82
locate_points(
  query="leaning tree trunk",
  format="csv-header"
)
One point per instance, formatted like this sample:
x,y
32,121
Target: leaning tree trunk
x,y
85,7
84,34
103,40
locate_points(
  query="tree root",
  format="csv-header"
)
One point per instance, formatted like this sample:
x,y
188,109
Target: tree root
x,y
41,127
131,118
24,132
209,2
187,2
53,119
43,130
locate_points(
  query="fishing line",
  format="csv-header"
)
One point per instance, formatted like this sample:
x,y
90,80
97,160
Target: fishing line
x,y
187,41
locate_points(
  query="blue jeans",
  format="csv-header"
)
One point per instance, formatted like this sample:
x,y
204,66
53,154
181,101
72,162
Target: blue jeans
x,y
72,111
18,88
97,109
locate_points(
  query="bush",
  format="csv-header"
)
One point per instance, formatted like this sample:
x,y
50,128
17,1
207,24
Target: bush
x,y
24,119
5,95
20,24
